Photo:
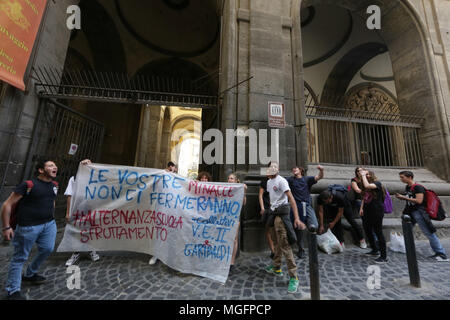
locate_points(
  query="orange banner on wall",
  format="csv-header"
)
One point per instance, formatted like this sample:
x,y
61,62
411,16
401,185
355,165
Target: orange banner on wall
x,y
19,25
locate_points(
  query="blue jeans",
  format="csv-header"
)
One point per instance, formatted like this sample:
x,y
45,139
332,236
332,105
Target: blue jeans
x,y
432,237
308,217
44,236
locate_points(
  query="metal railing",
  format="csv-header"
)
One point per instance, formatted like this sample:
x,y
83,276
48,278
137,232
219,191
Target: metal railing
x,y
357,137
57,128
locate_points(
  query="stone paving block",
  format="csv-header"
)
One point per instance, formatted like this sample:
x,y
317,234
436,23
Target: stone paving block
x,y
342,276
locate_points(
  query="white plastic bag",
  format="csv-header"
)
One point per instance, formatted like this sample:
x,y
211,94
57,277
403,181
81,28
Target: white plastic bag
x,y
329,243
397,242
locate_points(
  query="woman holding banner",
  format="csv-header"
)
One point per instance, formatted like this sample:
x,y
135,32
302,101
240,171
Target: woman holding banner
x,y
204,177
232,178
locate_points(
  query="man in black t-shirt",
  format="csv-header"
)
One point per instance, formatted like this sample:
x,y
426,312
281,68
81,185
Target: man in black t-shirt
x,y
415,207
331,209
35,206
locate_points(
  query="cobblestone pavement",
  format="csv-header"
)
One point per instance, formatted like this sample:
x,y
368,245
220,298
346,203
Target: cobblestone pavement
x,y
128,276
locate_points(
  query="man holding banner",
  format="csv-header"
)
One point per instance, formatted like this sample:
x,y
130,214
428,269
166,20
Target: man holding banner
x,y
33,202
283,234
190,225
171,167
68,193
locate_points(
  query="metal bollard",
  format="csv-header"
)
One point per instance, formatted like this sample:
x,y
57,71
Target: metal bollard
x,y
410,246
314,281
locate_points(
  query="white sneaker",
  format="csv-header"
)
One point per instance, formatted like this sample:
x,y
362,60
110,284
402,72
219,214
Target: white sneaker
x,y
442,258
94,256
153,260
73,259
363,244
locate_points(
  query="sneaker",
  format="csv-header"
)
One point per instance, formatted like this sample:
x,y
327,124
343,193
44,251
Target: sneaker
x,y
36,279
73,259
153,260
293,285
373,253
94,256
363,244
16,296
439,257
381,260
301,254
271,269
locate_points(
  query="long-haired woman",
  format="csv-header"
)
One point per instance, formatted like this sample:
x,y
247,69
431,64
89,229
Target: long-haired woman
x,y
204,176
232,178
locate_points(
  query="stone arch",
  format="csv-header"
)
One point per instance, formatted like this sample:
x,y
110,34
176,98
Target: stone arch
x,y
311,98
103,37
194,80
185,134
344,71
371,97
183,117
199,33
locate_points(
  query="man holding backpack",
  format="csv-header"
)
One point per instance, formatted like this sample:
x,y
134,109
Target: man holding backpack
x,y
35,201
333,204
416,204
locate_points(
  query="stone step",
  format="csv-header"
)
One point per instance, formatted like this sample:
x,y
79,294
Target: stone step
x,y
253,239
345,172
395,224
339,174
398,205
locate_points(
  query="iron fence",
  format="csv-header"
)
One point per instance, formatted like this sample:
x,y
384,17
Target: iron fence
x,y
58,128
357,137
121,88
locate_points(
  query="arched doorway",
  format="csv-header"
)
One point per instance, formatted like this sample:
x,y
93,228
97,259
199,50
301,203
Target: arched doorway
x,y
411,80
173,130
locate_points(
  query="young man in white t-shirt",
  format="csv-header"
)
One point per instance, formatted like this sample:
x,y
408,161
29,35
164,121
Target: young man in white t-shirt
x,y
281,201
69,193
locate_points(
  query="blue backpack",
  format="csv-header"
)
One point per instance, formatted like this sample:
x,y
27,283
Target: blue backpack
x,y
337,187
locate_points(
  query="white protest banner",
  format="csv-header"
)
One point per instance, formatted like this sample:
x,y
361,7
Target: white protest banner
x,y
189,225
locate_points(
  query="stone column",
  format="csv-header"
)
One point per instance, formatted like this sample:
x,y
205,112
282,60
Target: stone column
x,y
262,39
228,77
150,134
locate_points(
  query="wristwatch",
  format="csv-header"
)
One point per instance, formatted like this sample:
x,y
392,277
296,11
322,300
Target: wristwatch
x,y
6,228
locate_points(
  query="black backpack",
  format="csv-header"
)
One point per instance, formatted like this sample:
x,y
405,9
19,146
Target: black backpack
x,y
337,187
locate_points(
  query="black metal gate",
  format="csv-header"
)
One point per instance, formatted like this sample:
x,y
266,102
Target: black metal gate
x,y
58,129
